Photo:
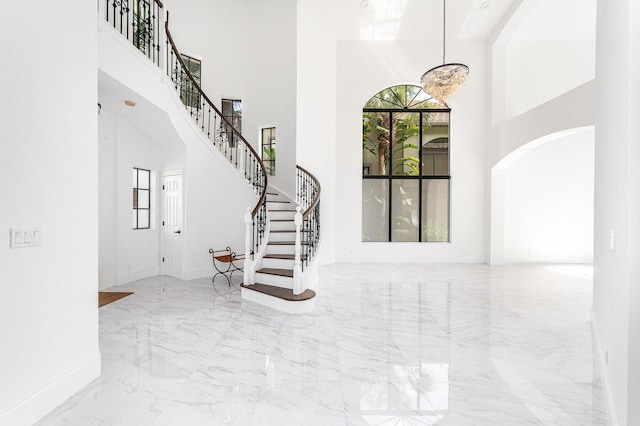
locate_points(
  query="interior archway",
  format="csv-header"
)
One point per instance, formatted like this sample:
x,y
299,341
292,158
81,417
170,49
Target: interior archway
x,y
542,201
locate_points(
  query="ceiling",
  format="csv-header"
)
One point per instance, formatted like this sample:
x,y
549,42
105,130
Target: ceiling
x,y
146,117
466,19
409,19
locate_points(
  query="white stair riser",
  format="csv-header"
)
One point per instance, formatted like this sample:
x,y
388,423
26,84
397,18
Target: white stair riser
x,y
276,198
283,226
274,280
277,263
282,236
277,214
280,206
278,249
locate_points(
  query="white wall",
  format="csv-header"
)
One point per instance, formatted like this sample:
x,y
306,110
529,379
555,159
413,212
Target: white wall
x,y
616,305
543,49
48,179
548,210
126,254
215,195
396,62
336,76
538,71
248,52
316,113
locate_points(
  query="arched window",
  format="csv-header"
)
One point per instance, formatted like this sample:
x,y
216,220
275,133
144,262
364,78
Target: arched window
x,y
405,167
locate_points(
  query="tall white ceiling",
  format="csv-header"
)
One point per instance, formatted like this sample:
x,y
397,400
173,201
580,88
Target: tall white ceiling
x,y
466,19
409,19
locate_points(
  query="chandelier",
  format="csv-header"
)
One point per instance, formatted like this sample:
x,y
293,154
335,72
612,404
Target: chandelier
x,y
443,81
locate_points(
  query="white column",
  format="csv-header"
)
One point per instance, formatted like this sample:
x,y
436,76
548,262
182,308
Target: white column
x,y
248,263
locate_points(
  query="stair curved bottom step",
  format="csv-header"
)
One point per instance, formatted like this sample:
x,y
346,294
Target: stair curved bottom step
x,y
280,293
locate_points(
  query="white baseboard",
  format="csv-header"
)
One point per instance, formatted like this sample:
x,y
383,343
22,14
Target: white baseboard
x,y
138,275
199,273
107,281
602,370
51,396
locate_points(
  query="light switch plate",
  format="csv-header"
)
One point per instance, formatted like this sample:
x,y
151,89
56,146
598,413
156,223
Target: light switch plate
x,y
25,237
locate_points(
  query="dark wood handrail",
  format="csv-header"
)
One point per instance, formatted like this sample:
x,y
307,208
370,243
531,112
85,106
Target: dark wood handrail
x,y
159,3
316,200
195,84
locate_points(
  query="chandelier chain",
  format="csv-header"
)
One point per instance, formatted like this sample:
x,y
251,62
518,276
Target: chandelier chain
x,y
444,30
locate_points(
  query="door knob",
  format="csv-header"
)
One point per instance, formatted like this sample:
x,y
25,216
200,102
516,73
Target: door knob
x,y
176,232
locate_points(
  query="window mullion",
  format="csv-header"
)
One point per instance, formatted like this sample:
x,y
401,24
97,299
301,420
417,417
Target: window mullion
x,y
420,180
390,174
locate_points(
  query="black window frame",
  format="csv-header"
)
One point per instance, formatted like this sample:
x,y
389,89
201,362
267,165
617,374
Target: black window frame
x,y
189,95
136,192
390,176
232,111
142,25
270,164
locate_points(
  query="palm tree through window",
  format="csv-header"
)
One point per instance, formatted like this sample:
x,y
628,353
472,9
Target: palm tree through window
x,y
405,167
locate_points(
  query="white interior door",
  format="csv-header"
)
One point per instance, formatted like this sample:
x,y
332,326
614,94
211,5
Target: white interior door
x,y
172,229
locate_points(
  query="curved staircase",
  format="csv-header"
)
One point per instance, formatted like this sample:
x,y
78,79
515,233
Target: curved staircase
x,y
274,280
282,235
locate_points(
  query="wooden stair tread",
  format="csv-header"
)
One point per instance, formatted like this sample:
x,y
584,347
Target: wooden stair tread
x,y
278,201
277,271
281,231
281,293
282,210
281,220
272,193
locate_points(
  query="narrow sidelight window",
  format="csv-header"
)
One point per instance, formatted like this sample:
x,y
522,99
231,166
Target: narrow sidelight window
x,y
141,198
188,93
232,111
269,149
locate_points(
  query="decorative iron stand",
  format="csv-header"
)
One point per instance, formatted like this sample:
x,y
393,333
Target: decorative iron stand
x,y
224,262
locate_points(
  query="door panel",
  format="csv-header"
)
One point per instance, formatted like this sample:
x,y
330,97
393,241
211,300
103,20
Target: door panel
x,y
172,226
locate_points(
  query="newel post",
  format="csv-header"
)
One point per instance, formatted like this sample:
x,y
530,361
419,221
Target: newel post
x,y
297,266
248,262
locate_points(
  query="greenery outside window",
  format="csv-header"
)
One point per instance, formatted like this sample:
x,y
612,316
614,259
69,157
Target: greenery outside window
x,y
405,167
232,111
269,150
142,26
141,198
188,93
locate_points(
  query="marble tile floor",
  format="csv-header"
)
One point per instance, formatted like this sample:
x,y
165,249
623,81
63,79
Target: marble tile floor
x,y
386,345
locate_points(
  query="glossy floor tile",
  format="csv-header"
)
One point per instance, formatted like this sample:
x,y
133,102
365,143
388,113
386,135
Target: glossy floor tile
x,y
386,345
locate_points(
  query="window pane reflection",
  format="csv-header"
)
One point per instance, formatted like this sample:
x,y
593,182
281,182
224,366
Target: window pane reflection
x,y
435,210
404,209
375,222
